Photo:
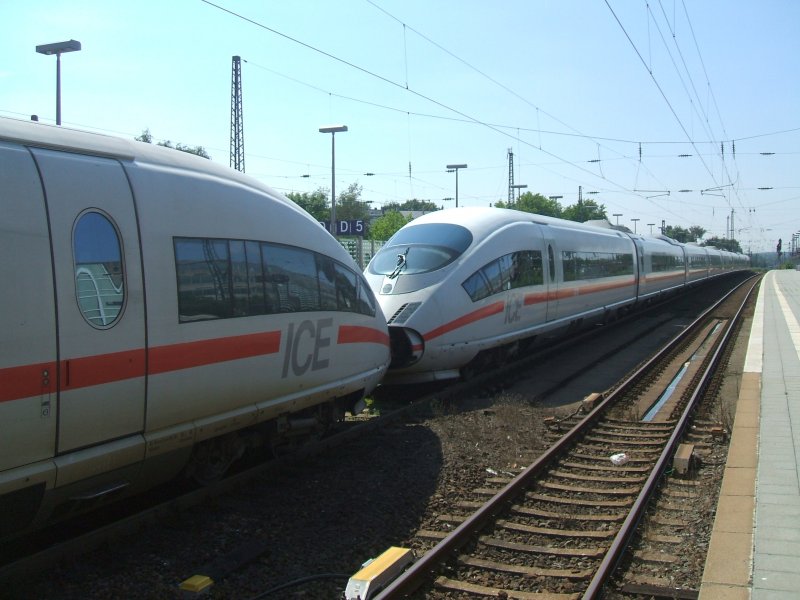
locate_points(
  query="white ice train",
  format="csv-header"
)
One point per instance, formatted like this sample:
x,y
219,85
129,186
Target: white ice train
x,y
464,286
159,312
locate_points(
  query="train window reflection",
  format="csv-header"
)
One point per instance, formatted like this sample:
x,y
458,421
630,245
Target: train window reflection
x,y
510,271
595,265
219,279
99,277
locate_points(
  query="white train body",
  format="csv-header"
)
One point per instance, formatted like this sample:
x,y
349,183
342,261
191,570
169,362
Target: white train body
x,y
461,285
153,301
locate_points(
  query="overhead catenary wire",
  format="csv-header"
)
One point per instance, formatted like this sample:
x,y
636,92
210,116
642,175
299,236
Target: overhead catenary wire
x,y
411,91
573,162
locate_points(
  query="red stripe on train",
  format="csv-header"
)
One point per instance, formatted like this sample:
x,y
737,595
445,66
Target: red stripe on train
x,y
102,368
30,380
355,334
536,298
477,315
206,352
27,380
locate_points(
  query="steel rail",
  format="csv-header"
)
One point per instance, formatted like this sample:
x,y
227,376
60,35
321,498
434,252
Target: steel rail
x,y
628,528
429,563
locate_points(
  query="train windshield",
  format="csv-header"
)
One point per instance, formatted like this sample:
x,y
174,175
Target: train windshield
x,y
421,249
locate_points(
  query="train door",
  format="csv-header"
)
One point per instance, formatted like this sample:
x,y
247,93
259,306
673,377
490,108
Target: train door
x,y
639,268
27,317
99,298
552,281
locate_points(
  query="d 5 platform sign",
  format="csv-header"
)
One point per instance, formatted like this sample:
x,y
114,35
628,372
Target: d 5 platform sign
x,y
356,227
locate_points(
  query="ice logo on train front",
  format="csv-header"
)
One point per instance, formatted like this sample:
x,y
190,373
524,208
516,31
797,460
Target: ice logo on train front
x,y
307,346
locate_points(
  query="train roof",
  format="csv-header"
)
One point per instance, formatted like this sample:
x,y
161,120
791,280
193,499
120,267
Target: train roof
x,y
41,135
484,220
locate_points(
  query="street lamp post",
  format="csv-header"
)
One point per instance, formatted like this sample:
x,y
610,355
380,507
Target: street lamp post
x,y
450,169
58,49
333,130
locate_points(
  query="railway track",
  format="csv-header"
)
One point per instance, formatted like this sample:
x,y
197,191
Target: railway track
x,y
559,528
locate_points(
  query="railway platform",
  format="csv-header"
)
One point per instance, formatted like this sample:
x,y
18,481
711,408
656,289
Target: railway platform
x,y
755,545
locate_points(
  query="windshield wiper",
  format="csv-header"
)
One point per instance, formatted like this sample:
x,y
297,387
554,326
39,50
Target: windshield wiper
x,y
401,264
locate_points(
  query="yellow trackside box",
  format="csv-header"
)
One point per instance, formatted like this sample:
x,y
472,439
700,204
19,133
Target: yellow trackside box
x,y
376,573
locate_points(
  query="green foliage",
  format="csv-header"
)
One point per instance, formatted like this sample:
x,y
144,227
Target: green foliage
x,y
147,138
679,234
387,225
316,203
350,207
537,204
542,205
587,210
414,204
723,244
683,235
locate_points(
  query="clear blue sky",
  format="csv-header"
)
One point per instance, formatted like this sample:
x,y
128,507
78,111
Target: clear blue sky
x,y
606,95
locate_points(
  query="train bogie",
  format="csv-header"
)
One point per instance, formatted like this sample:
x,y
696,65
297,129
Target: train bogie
x,y
157,310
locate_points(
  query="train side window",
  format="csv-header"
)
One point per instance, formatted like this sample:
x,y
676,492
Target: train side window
x,y
239,279
99,275
366,299
494,275
293,274
476,286
551,261
526,268
326,274
346,289
258,304
204,286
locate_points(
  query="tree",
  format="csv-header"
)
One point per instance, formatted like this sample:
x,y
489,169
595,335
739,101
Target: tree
x,y
723,244
534,203
678,233
683,235
584,210
387,225
696,232
147,138
350,207
316,203
419,205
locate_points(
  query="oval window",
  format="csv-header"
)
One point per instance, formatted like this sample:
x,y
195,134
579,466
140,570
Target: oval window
x,y
99,277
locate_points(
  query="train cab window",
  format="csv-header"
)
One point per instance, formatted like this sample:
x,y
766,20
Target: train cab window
x,y
99,276
424,248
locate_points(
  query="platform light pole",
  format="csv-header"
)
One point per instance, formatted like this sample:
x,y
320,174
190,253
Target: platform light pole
x,y
618,215
58,49
450,169
333,130
634,224
651,227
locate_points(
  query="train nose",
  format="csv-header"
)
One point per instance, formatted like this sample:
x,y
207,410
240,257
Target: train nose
x,y
407,347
